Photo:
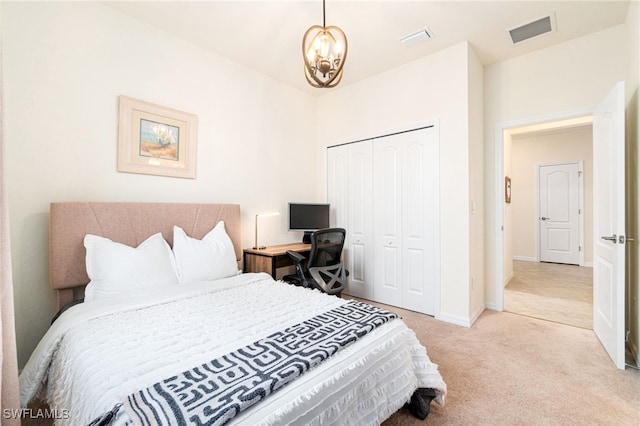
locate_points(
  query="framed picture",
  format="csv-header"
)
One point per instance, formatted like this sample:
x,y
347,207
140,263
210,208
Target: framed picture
x,y
507,189
156,140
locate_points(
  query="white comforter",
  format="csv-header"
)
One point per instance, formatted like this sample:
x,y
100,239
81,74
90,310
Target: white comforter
x,y
97,353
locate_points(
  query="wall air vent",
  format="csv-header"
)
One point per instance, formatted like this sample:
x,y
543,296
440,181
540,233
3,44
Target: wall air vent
x,y
537,28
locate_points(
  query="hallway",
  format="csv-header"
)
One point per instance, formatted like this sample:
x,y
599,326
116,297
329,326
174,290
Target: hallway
x,y
551,291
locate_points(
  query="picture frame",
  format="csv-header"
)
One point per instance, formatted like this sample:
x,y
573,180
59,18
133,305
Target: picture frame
x,y
156,140
507,189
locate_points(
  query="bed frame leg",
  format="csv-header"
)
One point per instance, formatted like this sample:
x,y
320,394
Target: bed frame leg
x,y
420,403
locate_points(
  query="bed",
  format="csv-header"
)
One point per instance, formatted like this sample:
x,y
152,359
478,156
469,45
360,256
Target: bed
x,y
149,332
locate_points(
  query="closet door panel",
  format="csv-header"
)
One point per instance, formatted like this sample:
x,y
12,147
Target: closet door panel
x,y
419,220
390,282
349,190
414,272
413,190
356,268
360,221
387,157
337,186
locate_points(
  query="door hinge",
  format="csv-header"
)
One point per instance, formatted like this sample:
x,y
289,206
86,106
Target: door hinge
x,y
579,211
579,173
579,248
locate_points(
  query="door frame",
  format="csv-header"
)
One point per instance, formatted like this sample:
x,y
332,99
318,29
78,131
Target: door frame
x,y
580,164
500,128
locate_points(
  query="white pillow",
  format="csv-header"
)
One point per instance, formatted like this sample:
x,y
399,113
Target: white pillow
x,y
211,258
116,268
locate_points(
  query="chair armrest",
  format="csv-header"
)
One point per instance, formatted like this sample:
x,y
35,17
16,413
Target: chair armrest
x,y
296,257
298,260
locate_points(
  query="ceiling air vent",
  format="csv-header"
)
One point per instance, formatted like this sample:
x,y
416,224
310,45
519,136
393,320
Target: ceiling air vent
x,y
417,37
537,28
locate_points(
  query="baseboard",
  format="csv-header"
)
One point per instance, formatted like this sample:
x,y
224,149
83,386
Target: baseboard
x,y
462,321
507,279
454,319
475,316
525,258
533,259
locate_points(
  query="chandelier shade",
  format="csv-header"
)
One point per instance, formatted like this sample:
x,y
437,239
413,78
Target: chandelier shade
x,y
324,50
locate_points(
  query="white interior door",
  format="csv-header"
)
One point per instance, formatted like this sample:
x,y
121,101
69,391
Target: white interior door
x,y
609,223
559,205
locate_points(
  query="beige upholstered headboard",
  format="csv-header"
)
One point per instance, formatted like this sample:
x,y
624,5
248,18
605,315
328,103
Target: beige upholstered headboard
x,y
126,223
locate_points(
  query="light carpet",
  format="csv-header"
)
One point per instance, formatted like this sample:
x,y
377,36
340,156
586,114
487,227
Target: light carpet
x,y
509,369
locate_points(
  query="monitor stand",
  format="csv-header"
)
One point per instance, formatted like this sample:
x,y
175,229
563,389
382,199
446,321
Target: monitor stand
x,y
306,238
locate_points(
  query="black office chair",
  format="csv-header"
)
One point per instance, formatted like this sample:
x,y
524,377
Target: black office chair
x,y
324,269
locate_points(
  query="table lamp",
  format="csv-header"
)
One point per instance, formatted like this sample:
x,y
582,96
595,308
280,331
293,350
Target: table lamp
x,y
256,246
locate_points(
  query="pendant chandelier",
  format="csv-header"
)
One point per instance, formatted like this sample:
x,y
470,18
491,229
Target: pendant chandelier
x,y
324,50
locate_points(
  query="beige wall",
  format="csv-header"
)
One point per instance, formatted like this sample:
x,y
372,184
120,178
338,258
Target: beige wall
x,y
571,76
432,88
476,185
547,147
65,66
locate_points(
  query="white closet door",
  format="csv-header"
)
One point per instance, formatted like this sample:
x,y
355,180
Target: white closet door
x,y
360,186
419,220
406,220
349,191
387,222
337,169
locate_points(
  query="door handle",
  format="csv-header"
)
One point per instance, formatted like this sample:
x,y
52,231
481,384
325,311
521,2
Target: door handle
x,y
622,239
613,238
545,218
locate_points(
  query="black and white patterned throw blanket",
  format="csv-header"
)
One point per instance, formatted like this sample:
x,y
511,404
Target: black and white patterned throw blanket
x,y
214,392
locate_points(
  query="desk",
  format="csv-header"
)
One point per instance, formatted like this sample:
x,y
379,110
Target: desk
x,y
271,258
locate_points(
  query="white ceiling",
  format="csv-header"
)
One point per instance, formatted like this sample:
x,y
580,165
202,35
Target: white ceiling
x,y
267,35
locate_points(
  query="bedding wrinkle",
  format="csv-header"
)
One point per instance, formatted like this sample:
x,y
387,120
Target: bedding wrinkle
x,y
386,358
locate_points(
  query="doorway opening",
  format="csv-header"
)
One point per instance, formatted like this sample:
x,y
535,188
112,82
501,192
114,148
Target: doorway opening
x,y
551,291
548,251
609,219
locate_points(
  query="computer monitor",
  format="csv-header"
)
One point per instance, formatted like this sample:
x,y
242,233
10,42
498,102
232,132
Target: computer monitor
x,y
308,217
